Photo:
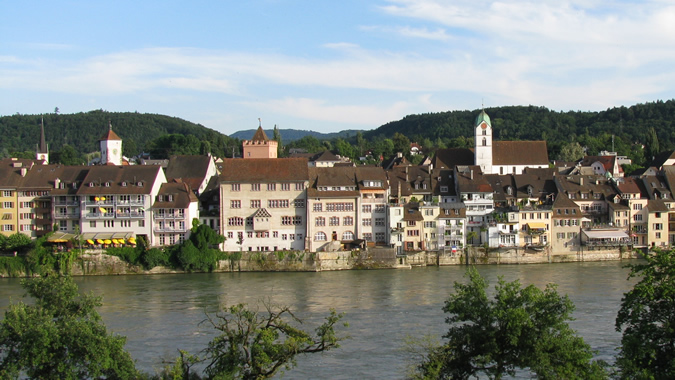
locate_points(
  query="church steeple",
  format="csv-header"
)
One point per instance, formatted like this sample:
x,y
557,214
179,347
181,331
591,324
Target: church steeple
x,y
111,147
42,152
483,142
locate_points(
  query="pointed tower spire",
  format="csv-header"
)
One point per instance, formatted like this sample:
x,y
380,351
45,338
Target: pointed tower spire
x,y
42,152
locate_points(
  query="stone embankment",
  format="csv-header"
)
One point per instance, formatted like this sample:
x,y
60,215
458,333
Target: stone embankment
x,y
97,263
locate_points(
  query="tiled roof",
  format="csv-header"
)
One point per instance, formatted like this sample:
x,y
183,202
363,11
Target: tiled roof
x,y
109,135
260,135
449,158
191,169
181,196
264,170
657,205
519,153
120,180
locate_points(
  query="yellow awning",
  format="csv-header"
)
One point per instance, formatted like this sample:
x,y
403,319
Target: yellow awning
x,y
536,226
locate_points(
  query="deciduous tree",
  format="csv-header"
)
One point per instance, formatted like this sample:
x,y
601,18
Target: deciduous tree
x,y
61,336
647,319
520,329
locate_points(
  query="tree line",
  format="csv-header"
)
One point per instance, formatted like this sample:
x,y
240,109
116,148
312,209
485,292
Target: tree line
x,y
517,330
638,132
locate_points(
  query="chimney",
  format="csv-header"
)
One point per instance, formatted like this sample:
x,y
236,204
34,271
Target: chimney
x,y
406,173
472,174
56,183
581,181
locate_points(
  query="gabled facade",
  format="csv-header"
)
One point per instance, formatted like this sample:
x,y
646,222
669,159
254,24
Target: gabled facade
x,y
264,204
174,208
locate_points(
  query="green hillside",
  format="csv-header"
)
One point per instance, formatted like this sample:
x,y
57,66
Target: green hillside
x,y
83,130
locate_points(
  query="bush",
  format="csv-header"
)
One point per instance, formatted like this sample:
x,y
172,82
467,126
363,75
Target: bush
x,y
154,257
13,266
130,255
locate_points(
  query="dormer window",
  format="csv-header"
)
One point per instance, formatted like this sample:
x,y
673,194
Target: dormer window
x,y
107,184
140,184
124,184
169,198
160,198
91,184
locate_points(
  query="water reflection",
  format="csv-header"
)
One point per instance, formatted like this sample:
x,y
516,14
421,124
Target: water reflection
x,y
161,313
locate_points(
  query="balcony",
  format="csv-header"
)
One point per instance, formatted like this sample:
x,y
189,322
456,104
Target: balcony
x,y
130,215
166,229
158,215
100,215
66,202
67,215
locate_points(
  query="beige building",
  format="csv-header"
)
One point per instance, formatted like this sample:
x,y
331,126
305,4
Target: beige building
x,y
263,204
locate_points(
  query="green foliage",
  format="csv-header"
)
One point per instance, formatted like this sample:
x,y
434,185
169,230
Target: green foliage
x,y
647,318
13,266
61,336
257,345
67,156
131,255
82,131
521,328
571,152
154,257
16,242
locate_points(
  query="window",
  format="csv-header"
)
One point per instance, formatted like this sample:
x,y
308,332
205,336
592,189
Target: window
x,y
379,222
380,208
8,227
141,223
379,237
320,221
429,224
6,193
125,223
658,226
334,221
560,235
271,187
230,235
235,204
339,206
285,186
637,217
284,237
162,239
444,189
8,204
367,208
348,235
367,222
319,236
277,203
658,235
299,203
235,187
255,187
109,223
299,186
348,221
317,207
368,236
413,232
637,206
275,234
235,221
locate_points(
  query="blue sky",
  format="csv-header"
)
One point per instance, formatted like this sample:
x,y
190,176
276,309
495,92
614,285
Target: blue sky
x,y
331,65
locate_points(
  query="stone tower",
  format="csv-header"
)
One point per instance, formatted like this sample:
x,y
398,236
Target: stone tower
x,y
260,146
111,148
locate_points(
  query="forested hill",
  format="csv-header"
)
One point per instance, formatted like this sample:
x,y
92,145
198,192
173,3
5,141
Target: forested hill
x,y
628,124
288,135
82,131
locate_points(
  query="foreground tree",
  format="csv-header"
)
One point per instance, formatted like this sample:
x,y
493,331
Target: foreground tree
x,y
257,345
647,318
520,329
61,336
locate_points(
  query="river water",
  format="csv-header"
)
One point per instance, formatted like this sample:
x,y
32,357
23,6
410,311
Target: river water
x,y
160,314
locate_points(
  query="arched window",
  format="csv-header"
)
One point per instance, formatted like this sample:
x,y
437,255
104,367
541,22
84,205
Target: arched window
x,y
319,236
484,132
348,235
484,141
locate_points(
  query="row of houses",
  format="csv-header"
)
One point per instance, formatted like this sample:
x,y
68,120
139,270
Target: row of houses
x,y
501,194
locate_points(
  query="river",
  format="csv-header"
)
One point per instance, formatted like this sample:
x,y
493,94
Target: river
x,y
160,314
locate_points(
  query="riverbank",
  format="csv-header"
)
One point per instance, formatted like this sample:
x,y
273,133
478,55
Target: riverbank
x,y
97,263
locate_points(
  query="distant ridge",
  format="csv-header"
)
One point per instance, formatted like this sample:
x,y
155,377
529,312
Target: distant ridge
x,y
288,135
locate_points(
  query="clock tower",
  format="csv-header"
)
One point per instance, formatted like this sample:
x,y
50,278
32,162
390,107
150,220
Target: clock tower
x,y
111,147
483,142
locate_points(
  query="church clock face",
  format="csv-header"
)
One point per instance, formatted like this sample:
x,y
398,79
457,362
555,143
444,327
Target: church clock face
x,y
114,151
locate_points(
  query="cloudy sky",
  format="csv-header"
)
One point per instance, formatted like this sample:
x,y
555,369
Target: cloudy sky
x,y
328,65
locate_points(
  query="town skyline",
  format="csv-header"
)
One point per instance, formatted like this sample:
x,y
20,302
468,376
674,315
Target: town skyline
x,y
329,67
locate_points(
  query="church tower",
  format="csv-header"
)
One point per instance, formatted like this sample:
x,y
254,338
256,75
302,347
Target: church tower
x,y
260,146
483,142
111,148
42,151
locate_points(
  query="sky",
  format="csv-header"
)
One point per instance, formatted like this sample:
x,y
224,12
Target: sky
x,y
326,65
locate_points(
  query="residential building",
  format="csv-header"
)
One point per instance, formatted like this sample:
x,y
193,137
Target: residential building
x,y
173,211
264,204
